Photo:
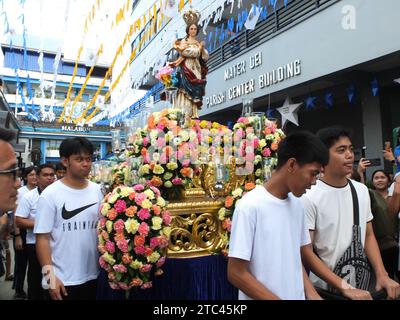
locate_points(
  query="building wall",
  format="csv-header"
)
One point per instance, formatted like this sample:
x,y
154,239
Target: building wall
x,y
319,43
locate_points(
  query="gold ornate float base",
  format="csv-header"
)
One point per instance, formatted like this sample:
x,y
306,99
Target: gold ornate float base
x,y
195,228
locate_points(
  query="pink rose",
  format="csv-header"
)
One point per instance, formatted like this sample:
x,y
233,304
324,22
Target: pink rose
x,y
160,142
145,268
139,197
154,242
139,249
158,272
250,157
123,286
101,249
227,224
120,268
185,163
104,234
113,286
122,245
266,152
147,285
136,282
145,141
163,158
138,187
143,214
143,229
120,206
155,190
160,262
102,263
163,241
110,247
119,226
177,181
166,217
102,222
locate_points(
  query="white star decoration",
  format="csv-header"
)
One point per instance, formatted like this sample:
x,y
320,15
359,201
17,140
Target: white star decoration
x,y
289,112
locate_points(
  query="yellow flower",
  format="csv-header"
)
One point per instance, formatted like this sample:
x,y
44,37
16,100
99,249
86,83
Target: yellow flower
x,y
262,143
114,197
149,194
131,225
105,209
145,169
221,214
168,184
108,258
203,124
172,165
158,169
168,176
237,193
156,221
109,226
126,191
146,203
153,257
166,231
161,202
215,125
184,135
136,264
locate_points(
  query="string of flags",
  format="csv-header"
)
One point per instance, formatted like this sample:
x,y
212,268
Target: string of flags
x,y
289,110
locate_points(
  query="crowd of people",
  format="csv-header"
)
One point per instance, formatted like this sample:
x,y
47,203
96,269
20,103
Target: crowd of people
x,y
310,232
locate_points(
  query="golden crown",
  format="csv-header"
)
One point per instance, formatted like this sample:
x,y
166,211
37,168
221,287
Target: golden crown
x,y
191,16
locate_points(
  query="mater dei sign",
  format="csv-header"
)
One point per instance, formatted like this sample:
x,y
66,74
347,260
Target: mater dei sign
x,y
261,81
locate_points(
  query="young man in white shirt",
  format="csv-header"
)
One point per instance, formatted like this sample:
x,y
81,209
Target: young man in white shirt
x,y
268,227
65,226
25,219
329,214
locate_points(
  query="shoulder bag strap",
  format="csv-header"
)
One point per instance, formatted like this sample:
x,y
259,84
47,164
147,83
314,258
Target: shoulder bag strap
x,y
356,211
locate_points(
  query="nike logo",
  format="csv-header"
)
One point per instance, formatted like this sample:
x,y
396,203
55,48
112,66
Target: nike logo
x,y
66,214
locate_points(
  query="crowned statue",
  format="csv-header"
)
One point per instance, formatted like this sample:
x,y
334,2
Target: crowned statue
x,y
191,68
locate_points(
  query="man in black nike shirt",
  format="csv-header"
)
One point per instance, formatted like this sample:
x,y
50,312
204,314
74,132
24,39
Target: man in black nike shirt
x,y
65,226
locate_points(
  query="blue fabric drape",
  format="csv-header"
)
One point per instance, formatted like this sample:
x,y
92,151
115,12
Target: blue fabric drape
x,y
203,278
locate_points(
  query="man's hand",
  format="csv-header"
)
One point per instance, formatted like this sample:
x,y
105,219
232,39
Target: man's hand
x,y
59,288
18,243
356,294
392,287
388,155
362,165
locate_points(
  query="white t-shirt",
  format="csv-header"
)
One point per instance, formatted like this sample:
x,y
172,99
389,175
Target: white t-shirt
x,y
329,212
268,232
21,192
27,209
71,216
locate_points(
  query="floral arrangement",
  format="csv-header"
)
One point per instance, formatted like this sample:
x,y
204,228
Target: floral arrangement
x,y
133,235
164,76
226,212
263,137
171,155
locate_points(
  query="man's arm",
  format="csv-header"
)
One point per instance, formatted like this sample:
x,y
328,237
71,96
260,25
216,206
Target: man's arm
x,y
318,267
374,256
43,252
3,224
309,290
25,223
393,201
240,276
